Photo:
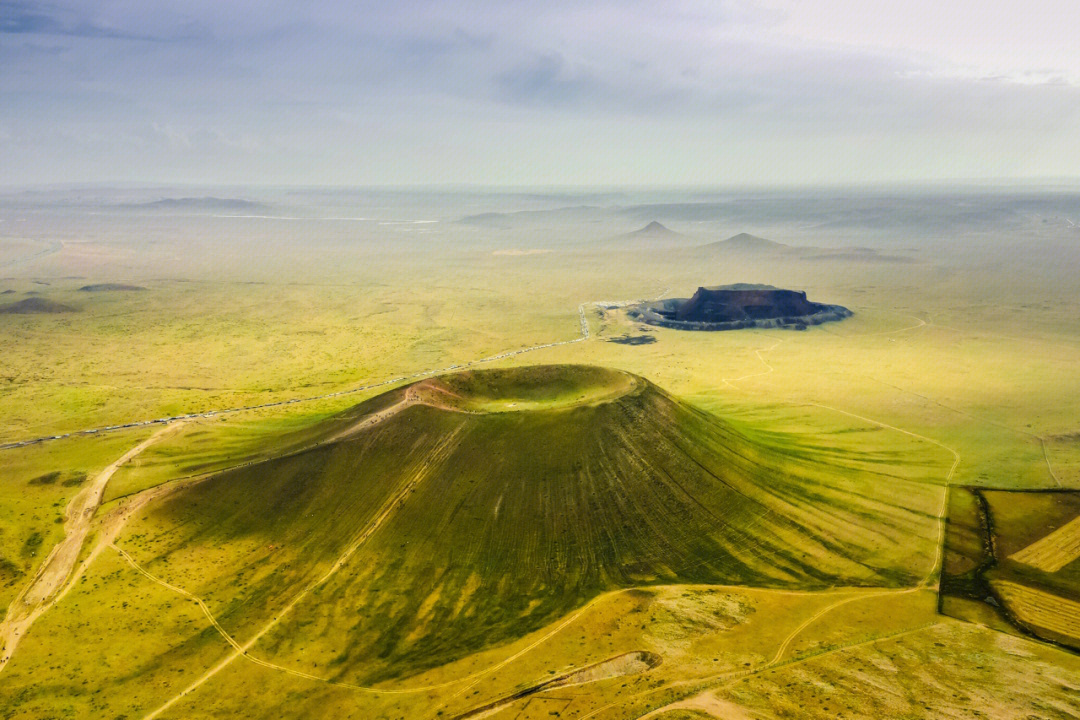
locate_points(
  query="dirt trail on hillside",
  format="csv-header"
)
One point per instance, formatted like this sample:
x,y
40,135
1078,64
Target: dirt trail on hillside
x,y
374,419
426,392
52,578
631,663
444,448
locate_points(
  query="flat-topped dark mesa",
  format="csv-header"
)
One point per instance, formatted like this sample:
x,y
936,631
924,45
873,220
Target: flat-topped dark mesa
x,y
742,305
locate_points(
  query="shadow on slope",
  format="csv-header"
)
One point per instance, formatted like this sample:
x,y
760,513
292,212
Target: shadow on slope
x,y
498,501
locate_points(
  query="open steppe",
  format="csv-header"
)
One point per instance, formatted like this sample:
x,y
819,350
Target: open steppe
x,y
738,524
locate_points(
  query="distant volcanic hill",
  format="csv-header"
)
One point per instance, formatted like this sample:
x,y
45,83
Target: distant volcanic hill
x,y
653,235
729,303
110,287
747,243
35,306
197,204
747,246
654,231
730,307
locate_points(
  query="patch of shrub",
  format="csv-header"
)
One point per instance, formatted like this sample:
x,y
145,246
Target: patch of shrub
x,y
9,571
32,544
46,479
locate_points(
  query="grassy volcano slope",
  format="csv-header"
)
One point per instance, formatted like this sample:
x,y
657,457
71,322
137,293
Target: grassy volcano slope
x,y
512,519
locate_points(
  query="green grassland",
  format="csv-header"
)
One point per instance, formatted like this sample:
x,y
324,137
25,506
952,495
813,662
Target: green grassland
x,y
626,500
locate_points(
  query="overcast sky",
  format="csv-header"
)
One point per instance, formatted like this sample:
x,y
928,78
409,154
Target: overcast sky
x,y
555,92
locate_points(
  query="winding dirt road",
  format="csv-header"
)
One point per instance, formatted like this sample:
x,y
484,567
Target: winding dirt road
x,y
52,578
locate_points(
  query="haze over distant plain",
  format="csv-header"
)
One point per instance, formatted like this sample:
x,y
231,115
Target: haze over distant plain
x,y
736,92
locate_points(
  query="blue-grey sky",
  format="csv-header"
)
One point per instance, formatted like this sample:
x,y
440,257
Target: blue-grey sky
x,y
558,92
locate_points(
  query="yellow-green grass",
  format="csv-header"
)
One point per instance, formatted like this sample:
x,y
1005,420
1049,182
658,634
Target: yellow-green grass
x,y
967,548
112,647
1048,615
700,632
948,670
864,615
36,484
210,445
729,654
95,656
185,347
1055,550
1020,519
929,380
999,364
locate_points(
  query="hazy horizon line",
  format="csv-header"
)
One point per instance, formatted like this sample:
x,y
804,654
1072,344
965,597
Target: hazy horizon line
x,y
988,182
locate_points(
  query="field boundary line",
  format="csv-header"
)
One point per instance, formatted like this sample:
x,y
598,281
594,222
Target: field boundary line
x,y
977,418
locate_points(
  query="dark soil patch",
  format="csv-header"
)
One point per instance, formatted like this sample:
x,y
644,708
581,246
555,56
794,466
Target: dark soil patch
x,y
633,339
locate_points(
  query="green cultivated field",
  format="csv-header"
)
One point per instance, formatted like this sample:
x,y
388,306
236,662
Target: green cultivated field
x,y
1016,553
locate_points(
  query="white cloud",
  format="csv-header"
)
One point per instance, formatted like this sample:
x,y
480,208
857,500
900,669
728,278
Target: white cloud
x,y
402,92
965,38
